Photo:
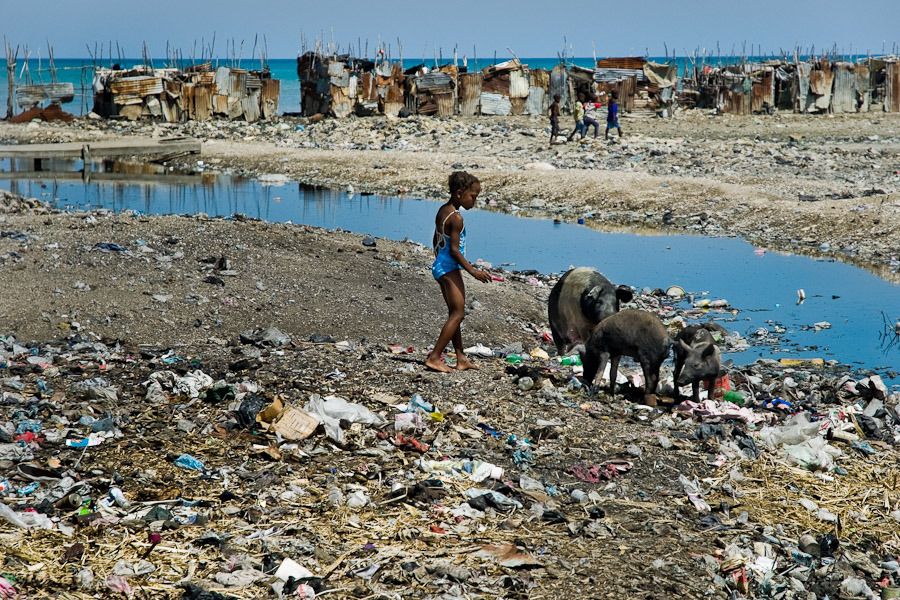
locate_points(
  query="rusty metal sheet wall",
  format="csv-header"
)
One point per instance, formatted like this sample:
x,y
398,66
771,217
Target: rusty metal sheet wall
x,y
469,93
844,99
892,87
539,78
801,86
269,94
626,62
517,106
130,89
863,88
734,102
445,104
821,82
250,106
340,102
537,103
495,104
763,92
518,84
202,103
559,84
496,84
237,84
366,90
434,81
56,93
625,90
223,80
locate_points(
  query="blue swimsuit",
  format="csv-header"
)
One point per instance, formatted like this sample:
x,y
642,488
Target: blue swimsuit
x,y
443,262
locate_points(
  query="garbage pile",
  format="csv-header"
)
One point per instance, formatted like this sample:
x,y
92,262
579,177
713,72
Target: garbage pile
x,y
274,467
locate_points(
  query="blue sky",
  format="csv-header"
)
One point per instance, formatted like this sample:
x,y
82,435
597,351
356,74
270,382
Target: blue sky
x,y
531,28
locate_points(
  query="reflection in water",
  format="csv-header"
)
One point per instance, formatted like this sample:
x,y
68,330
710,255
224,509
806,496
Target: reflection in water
x,y
764,287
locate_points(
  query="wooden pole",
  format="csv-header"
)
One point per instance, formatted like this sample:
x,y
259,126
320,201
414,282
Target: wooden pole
x,y
10,78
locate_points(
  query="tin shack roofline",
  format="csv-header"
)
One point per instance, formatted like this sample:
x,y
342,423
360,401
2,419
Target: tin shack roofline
x,y
811,86
199,93
338,85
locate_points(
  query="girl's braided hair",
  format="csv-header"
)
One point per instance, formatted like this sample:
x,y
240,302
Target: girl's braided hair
x,y
461,181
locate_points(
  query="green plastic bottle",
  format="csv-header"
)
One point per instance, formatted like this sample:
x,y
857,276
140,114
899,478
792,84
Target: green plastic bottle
x,y
514,358
734,397
570,360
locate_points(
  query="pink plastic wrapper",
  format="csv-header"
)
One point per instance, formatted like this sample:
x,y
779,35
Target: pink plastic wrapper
x,y
7,590
117,583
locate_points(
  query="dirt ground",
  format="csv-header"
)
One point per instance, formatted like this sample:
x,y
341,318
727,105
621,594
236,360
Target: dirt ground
x,y
156,287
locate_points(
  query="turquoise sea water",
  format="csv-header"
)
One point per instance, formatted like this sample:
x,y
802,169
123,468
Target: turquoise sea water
x,y
78,72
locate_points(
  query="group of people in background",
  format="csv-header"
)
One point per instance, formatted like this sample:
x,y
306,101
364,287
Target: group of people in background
x,y
585,112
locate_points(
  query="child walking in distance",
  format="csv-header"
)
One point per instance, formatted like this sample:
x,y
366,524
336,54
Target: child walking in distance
x,y
612,116
449,260
554,119
578,115
589,118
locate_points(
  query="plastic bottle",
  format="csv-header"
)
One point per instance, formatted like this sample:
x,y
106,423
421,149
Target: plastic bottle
x,y
117,495
579,495
514,358
28,489
734,397
570,360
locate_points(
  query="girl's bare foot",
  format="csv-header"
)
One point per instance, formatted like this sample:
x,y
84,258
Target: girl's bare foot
x,y
436,364
463,364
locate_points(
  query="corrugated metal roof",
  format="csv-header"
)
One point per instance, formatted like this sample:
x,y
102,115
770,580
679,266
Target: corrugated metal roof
x,y
132,90
434,81
611,75
626,62
57,93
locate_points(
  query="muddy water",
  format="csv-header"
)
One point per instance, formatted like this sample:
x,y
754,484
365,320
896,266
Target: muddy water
x,y
860,307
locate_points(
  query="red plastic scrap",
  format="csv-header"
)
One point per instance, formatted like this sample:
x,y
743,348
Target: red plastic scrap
x,y
404,443
29,437
597,473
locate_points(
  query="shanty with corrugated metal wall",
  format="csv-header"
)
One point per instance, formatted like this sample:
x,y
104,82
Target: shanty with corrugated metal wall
x,y
330,85
811,86
199,93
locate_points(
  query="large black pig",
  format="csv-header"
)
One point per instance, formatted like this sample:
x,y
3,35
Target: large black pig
x,y
578,302
697,358
635,333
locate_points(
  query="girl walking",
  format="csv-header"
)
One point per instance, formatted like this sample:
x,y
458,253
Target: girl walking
x,y
449,260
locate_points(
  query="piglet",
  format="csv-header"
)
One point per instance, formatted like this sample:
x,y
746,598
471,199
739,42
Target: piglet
x,y
697,358
635,333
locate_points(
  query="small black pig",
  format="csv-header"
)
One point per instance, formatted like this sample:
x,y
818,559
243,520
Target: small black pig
x,y
635,333
697,358
578,302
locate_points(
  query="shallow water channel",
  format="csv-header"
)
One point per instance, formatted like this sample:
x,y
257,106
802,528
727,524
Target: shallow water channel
x,y
860,306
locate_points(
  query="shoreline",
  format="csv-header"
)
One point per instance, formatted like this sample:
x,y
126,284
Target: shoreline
x,y
721,177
